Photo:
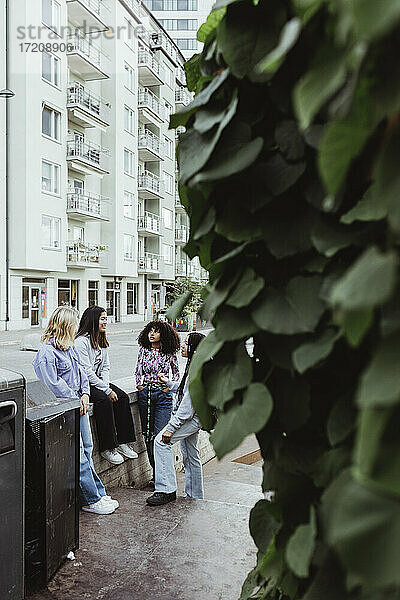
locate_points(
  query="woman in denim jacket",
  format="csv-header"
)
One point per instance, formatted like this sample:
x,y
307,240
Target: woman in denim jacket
x,y
57,365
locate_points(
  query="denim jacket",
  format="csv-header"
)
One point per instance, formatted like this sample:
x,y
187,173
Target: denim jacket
x,y
61,371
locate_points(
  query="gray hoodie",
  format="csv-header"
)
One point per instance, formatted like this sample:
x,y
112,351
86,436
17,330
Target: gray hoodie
x,y
182,411
99,378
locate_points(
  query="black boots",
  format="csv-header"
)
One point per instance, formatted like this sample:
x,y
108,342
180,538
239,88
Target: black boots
x,y
159,498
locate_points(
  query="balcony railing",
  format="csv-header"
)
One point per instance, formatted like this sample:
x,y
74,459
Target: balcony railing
x,y
146,59
93,5
179,130
80,43
88,204
149,181
178,204
150,101
149,141
89,102
149,222
85,255
181,234
134,5
180,75
149,263
160,41
182,96
88,153
181,268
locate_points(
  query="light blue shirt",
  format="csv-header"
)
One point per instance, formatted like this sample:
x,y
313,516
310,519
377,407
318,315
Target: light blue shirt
x,y
61,371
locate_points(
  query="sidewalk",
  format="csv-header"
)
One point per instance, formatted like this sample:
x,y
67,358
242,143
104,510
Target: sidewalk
x,y
186,550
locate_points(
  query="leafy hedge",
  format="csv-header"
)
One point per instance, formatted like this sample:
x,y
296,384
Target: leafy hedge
x,y
290,172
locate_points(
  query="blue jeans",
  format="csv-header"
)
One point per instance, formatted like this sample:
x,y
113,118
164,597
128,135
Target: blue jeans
x,y
165,480
153,416
92,490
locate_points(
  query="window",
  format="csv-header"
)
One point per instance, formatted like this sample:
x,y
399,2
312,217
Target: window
x,y
168,110
25,301
129,119
169,76
167,218
167,254
186,43
68,292
93,293
78,234
51,68
171,4
51,123
179,24
168,147
128,162
168,182
51,227
129,77
129,34
128,247
132,298
128,204
51,14
50,177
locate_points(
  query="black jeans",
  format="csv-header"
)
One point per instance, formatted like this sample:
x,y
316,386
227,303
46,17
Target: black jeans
x,y
159,410
114,421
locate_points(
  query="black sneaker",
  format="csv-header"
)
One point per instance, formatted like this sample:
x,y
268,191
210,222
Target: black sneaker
x,y
159,498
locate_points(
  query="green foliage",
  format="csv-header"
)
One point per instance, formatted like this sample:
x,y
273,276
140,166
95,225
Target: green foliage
x,y
184,297
290,175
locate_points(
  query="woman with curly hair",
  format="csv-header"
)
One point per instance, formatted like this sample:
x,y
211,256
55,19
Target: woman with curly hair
x,y
158,347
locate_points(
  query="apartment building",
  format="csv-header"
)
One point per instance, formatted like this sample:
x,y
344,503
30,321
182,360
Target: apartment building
x,y
3,102
93,212
181,19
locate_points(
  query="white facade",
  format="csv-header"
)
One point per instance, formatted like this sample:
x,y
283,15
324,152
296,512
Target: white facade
x,y
181,19
92,169
2,164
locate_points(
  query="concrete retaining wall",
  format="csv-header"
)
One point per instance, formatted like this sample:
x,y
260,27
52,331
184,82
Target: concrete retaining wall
x,y
137,472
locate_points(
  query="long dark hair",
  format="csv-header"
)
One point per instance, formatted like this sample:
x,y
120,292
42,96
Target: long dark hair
x,y
89,324
170,342
194,340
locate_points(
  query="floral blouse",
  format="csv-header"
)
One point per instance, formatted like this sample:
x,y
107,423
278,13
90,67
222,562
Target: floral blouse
x,y
151,362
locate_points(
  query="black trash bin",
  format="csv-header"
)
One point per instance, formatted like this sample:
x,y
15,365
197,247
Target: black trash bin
x,y
12,413
52,483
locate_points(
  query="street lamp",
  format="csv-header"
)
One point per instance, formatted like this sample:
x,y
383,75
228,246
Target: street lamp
x,y
6,93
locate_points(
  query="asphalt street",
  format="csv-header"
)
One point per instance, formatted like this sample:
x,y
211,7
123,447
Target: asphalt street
x,y
123,355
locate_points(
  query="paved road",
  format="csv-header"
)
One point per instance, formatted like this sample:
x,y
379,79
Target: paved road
x,y
123,355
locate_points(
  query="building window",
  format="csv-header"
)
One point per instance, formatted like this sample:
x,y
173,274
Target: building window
x,y
51,228
129,120
129,161
51,68
129,77
68,292
169,76
25,301
128,204
186,43
168,182
50,177
128,247
51,14
171,4
129,34
51,123
168,147
132,298
93,293
167,218
167,254
179,24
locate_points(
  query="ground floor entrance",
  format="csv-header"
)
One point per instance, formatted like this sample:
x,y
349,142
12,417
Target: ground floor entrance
x,y
33,300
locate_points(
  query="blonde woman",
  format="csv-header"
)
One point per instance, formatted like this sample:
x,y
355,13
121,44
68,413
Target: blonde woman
x,y
57,365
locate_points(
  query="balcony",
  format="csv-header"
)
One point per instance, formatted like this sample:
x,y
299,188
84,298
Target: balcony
x,y
179,130
149,263
181,234
86,109
87,206
159,41
87,157
181,268
90,12
149,224
151,109
85,58
180,75
149,146
149,185
82,255
134,5
151,71
179,208
182,97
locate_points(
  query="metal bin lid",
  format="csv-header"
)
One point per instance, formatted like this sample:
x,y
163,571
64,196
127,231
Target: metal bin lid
x,y
10,380
42,403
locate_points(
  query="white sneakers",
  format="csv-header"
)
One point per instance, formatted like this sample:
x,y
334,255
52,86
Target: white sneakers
x,y
127,451
116,456
105,506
